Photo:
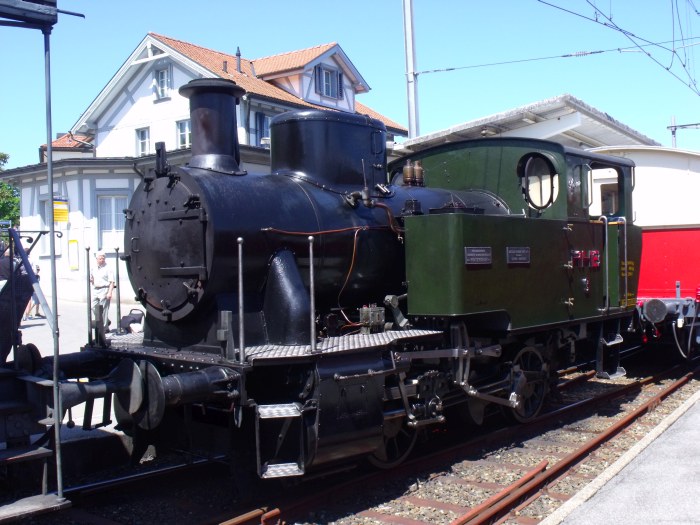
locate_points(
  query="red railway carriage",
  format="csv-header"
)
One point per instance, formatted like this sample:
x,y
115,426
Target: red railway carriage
x,y
667,270
665,202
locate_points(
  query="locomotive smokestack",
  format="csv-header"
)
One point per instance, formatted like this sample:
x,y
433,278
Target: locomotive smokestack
x,y
213,119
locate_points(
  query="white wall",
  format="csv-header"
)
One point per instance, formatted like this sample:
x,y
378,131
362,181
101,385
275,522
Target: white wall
x,y
138,107
667,185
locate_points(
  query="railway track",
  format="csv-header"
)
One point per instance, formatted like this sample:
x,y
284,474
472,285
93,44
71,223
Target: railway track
x,y
517,475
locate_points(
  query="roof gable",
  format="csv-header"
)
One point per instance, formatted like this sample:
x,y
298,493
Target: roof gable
x,y
290,61
224,65
203,62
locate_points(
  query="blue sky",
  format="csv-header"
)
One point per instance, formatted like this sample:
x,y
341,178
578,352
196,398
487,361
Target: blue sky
x,y
641,87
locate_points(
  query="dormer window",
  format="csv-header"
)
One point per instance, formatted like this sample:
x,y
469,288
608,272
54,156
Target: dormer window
x,y
262,125
329,82
162,83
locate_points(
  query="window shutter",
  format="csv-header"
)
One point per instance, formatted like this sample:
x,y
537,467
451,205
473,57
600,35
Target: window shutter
x,y
340,86
259,126
318,79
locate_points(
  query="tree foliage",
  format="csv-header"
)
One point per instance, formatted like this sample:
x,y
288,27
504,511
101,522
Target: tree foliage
x,y
9,197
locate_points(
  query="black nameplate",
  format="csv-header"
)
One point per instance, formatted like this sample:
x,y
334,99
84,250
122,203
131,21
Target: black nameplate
x,y
518,255
477,255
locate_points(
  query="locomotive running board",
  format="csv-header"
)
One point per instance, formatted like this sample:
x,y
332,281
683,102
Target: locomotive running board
x,y
281,418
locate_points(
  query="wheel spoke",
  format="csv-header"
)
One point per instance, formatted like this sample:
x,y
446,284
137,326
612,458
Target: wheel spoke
x,y
399,440
532,366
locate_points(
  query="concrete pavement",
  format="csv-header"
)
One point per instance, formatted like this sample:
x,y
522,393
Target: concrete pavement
x,y
72,327
654,482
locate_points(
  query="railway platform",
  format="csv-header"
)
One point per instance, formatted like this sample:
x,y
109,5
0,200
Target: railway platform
x,y
654,482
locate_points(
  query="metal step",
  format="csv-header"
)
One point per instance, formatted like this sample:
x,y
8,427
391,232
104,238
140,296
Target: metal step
x,y
278,411
281,470
619,372
10,456
38,381
615,341
30,506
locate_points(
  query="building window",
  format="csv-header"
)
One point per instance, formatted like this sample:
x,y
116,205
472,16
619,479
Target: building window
x,y
110,218
143,142
184,135
162,81
329,82
262,125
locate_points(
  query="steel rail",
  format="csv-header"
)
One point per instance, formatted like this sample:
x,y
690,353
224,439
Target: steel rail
x,y
509,499
287,510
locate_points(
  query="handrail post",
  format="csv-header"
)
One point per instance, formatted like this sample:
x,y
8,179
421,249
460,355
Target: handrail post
x,y
606,277
88,295
241,338
119,298
312,293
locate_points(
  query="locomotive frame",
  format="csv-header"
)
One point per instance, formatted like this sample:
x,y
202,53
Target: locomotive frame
x,y
339,306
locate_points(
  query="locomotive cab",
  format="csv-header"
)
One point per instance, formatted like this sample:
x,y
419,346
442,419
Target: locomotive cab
x,y
569,254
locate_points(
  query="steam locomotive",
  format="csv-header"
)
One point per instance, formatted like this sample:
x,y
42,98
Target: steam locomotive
x,y
339,306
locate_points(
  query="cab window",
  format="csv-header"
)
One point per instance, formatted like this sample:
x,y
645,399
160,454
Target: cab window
x,y
539,180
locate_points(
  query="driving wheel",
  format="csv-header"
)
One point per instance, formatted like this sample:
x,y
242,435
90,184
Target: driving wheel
x,y
532,384
399,440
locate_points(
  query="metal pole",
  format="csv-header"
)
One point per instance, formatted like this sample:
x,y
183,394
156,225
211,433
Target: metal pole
x,y
673,132
52,247
241,339
88,294
312,293
12,283
411,75
119,299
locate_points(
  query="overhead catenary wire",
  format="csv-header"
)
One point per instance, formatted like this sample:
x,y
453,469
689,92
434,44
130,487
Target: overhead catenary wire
x,y
635,39
576,54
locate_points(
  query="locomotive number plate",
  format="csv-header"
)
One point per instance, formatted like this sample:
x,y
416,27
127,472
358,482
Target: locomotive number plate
x,y
518,254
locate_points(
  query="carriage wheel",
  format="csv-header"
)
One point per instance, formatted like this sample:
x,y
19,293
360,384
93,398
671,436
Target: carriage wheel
x,y
534,392
399,440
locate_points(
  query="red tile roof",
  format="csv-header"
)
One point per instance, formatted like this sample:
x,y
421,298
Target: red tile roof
x,y
68,141
224,65
289,61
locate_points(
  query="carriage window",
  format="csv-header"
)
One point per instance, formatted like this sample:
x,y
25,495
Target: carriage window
x,y
539,180
605,192
608,199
